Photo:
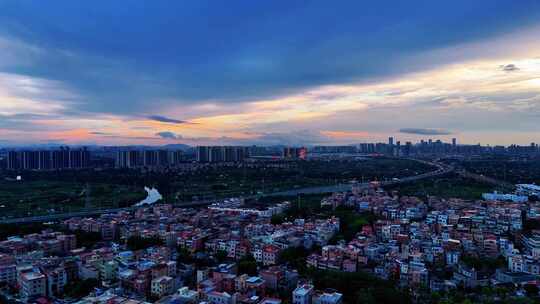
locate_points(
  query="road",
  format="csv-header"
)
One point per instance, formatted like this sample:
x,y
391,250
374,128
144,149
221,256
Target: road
x,y
485,179
441,170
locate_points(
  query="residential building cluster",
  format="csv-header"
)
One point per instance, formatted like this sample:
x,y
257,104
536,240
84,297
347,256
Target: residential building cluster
x,y
420,243
221,154
133,158
41,265
236,205
199,255
62,158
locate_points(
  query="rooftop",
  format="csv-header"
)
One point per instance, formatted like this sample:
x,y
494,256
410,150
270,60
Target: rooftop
x,y
34,275
304,289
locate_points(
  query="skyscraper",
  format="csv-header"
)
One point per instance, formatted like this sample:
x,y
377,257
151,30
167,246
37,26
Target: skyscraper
x,y
163,158
13,160
150,158
202,154
29,160
217,154
44,160
63,158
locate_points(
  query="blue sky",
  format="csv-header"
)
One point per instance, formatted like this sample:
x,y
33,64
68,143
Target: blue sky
x,y
267,71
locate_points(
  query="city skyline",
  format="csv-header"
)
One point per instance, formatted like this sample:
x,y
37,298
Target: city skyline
x,y
286,73
392,140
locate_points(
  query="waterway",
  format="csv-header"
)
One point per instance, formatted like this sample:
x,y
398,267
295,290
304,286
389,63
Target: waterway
x,y
152,197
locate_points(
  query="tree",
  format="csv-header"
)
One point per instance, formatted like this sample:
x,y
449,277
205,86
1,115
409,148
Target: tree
x,y
79,289
365,297
184,256
247,265
295,257
138,243
87,239
277,219
221,256
531,290
350,283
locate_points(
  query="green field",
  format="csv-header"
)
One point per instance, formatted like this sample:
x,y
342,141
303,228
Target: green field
x,y
511,171
64,191
449,186
24,198
219,182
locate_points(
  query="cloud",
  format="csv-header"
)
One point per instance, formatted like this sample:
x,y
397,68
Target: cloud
x,y
411,65
166,119
100,133
169,135
268,49
421,131
301,137
509,67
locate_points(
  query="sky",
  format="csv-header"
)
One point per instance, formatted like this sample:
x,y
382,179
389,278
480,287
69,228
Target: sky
x,y
268,72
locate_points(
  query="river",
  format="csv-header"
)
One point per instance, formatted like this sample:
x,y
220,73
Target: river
x,y
152,197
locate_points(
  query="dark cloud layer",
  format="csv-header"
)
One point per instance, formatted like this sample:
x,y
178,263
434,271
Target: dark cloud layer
x,y
168,135
166,119
123,56
100,133
421,131
509,67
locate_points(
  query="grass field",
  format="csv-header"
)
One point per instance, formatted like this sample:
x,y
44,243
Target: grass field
x,y
450,186
23,198
234,181
512,171
64,191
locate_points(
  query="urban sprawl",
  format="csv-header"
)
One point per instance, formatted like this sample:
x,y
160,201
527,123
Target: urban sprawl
x,y
237,250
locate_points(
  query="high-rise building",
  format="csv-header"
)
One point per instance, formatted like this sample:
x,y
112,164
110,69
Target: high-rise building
x,y
49,160
176,157
163,158
75,159
390,141
407,149
150,158
202,154
44,160
295,152
230,154
217,154
13,160
29,160
121,159
65,157
128,159
60,158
